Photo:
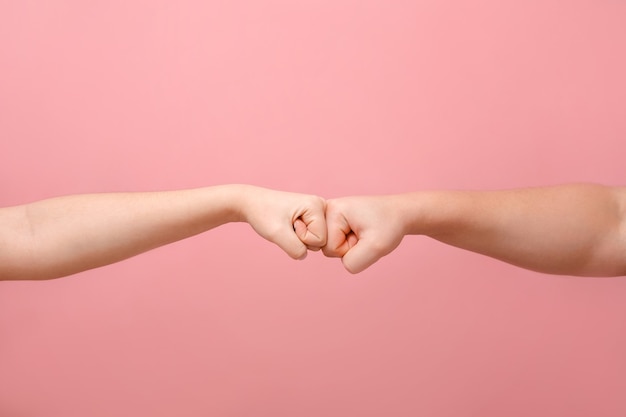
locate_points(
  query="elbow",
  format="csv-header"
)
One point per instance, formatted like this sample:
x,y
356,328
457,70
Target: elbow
x,y
8,274
620,194
610,253
25,274
615,261
12,272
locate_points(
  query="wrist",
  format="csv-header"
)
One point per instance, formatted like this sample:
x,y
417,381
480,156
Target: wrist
x,y
412,211
236,202
437,213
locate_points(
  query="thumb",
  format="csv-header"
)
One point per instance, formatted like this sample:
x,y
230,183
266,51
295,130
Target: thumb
x,y
310,226
312,238
359,257
303,233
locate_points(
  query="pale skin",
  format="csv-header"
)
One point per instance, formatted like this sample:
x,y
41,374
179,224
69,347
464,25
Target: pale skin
x,y
62,236
577,229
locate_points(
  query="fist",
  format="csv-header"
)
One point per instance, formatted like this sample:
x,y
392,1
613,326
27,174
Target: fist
x,y
294,222
361,230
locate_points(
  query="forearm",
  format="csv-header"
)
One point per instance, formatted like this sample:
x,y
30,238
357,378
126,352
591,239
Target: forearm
x,y
65,235
571,229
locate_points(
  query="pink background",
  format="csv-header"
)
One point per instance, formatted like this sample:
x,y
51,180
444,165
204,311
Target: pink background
x,y
326,97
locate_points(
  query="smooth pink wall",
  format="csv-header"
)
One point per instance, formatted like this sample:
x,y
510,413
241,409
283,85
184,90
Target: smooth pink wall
x,y
327,97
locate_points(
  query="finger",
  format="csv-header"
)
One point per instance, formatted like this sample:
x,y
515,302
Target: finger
x,y
301,230
337,238
314,218
352,239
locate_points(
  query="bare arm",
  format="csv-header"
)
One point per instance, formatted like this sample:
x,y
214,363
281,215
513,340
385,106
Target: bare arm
x,y
575,229
62,236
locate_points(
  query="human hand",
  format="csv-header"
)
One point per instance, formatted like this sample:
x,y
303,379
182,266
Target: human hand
x,y
295,222
361,230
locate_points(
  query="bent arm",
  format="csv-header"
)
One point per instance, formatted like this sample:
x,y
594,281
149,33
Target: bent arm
x,y
571,229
